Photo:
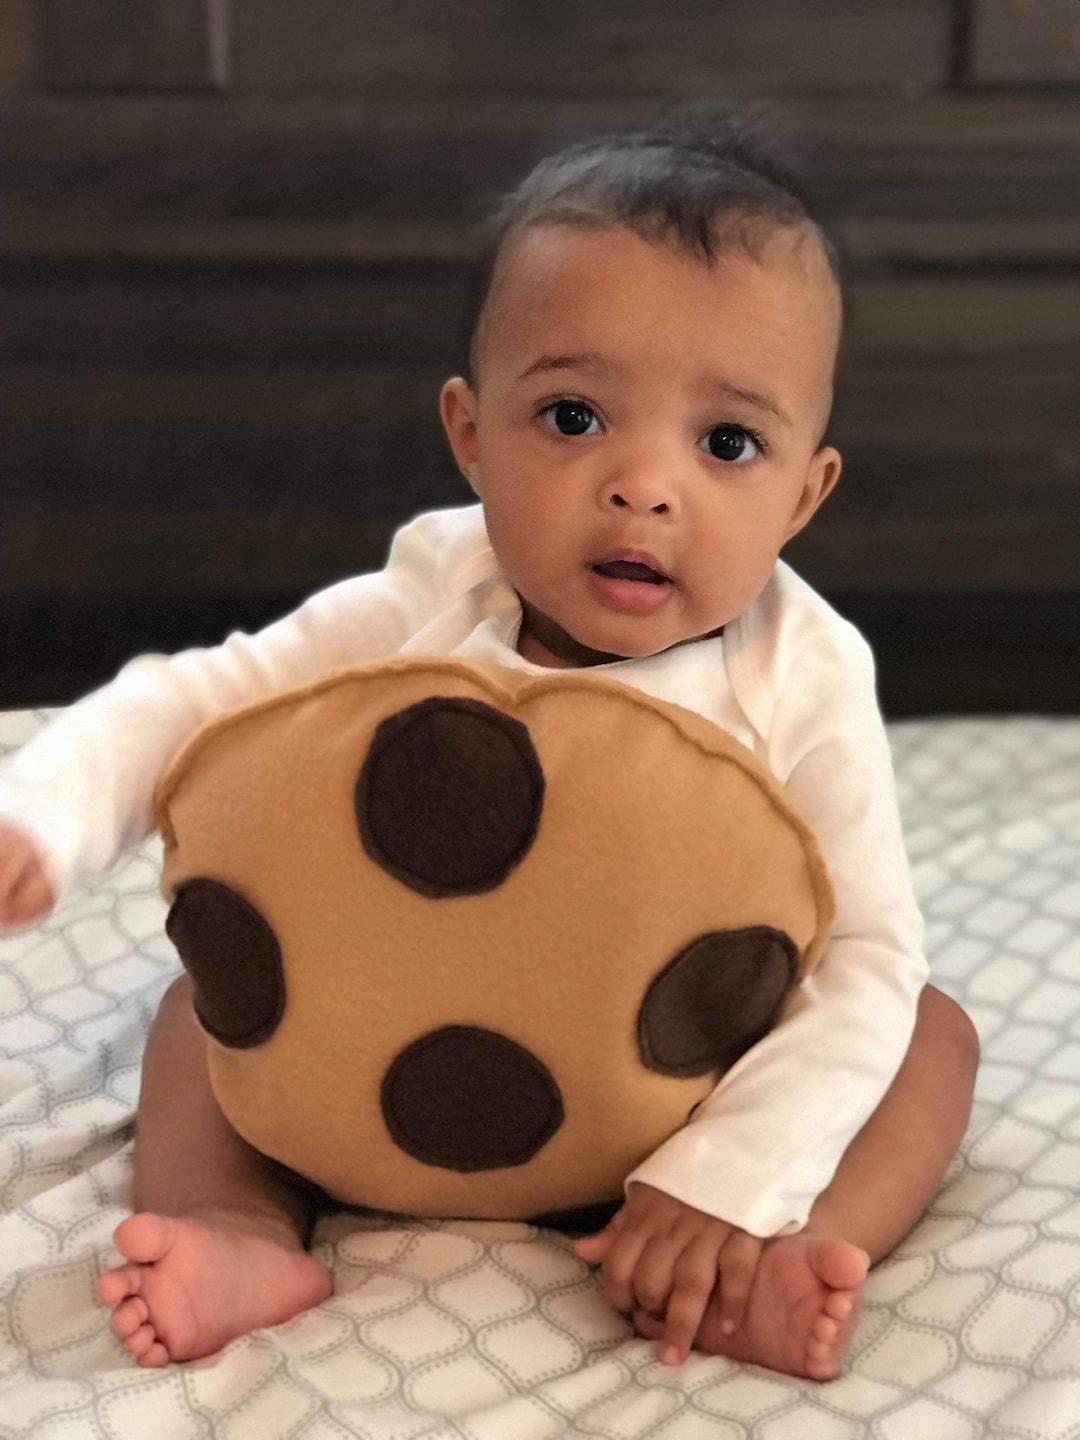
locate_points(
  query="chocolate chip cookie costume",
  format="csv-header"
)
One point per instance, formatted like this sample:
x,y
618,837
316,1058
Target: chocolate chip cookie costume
x,y
472,943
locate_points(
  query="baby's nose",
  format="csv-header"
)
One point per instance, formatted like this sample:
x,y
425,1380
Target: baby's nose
x,y
644,491
620,501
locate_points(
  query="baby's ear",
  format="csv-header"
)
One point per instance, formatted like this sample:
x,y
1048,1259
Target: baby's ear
x,y
457,406
821,478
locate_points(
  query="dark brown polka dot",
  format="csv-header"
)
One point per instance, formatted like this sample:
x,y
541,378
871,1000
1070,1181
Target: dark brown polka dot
x,y
470,1099
716,998
234,961
449,797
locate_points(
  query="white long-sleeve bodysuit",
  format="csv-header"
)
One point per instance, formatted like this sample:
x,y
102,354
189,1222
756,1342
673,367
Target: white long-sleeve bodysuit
x,y
789,678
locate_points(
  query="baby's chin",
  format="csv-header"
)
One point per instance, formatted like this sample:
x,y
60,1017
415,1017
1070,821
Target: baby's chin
x,y
546,642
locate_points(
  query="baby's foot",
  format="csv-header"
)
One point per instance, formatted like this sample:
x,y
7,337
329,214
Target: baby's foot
x,y
800,1313
193,1285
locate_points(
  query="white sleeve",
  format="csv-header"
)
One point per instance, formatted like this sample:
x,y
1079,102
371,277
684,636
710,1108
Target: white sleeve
x,y
83,788
767,1141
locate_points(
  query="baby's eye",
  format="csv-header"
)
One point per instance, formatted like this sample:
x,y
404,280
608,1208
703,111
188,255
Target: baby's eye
x,y
732,443
569,417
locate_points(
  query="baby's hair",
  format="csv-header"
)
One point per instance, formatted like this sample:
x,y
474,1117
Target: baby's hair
x,y
703,178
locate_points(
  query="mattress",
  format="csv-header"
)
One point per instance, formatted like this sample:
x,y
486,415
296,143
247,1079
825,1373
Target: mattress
x,y
491,1331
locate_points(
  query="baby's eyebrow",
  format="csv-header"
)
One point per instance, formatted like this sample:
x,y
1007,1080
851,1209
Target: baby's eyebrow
x,y
583,360
751,397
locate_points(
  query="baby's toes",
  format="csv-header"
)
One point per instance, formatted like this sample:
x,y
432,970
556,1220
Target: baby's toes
x,y
157,1355
823,1348
129,1316
841,1304
825,1368
141,1341
115,1285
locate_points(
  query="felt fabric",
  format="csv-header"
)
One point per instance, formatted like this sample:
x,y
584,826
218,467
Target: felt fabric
x,y
469,1099
449,796
723,993
234,960
624,918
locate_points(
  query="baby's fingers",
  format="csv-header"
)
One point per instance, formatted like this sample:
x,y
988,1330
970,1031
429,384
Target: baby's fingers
x,y
25,893
593,1248
620,1266
738,1264
34,899
693,1281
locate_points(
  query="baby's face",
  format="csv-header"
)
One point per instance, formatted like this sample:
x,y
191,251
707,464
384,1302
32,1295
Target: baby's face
x,y
645,434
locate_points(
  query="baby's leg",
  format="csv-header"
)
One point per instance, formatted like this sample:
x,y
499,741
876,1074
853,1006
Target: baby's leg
x,y
805,1294
893,1167
217,1246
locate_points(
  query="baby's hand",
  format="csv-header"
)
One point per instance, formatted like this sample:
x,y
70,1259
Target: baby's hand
x,y
664,1257
25,892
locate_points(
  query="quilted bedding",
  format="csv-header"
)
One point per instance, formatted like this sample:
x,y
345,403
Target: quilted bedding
x,y
474,1331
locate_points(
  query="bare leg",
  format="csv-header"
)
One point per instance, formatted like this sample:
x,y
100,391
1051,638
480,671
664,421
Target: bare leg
x,y
805,1294
217,1246
893,1167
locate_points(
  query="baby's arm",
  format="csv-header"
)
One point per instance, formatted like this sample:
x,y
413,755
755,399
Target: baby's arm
x,y
81,791
765,1144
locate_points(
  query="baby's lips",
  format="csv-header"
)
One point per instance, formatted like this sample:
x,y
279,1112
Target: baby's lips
x,y
631,565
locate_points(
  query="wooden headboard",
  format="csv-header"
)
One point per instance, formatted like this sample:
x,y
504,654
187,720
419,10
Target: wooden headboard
x,y
235,241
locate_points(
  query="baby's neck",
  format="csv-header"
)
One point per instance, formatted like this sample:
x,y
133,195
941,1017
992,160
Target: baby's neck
x,y
542,641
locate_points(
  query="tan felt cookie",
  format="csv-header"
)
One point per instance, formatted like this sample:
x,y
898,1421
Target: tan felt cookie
x,y
475,944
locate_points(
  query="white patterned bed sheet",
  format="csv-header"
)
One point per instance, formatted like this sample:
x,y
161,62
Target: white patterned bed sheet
x,y
475,1331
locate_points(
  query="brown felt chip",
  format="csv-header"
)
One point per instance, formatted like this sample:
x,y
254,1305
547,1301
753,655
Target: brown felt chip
x,y
449,796
470,1099
234,961
718,997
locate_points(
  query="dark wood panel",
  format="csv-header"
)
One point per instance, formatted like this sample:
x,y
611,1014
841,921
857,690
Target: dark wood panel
x,y
132,44
365,442
971,654
15,67
989,547
53,649
315,180
179,316
247,552
1024,42
606,47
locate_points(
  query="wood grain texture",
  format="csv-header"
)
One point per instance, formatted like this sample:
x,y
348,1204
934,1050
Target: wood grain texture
x,y
222,552
226,318
180,316
132,44
606,47
252,181
1024,42
16,47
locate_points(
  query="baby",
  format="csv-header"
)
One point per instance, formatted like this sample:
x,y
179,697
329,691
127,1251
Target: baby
x,y
642,419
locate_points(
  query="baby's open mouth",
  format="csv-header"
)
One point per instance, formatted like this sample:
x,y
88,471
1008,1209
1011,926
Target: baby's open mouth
x,y
630,570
